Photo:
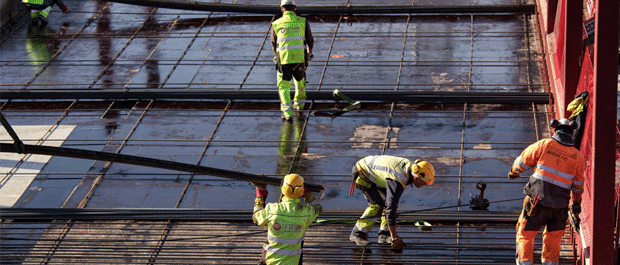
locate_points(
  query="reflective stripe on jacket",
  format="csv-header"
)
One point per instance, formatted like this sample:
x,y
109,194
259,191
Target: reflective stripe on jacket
x,y
558,169
377,169
42,3
34,2
287,222
290,30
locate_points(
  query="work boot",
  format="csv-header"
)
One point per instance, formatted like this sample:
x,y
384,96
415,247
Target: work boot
x,y
286,118
359,238
298,107
43,20
299,115
385,238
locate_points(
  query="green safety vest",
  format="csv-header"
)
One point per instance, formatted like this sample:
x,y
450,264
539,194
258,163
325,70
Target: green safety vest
x,y
287,222
290,30
377,169
34,2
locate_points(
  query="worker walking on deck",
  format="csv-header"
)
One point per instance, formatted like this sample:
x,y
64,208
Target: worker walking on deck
x,y
40,9
292,42
286,221
382,179
558,169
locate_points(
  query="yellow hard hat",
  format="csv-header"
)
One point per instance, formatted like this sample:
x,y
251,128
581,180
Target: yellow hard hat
x,y
293,186
424,170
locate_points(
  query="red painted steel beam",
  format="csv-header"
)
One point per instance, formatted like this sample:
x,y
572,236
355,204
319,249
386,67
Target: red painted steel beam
x,y
604,122
552,10
570,65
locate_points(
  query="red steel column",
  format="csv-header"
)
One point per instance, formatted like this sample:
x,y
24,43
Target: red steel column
x,y
604,122
552,8
572,52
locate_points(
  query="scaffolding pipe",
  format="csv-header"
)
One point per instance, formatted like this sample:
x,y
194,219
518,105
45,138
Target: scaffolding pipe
x,y
433,97
336,9
148,162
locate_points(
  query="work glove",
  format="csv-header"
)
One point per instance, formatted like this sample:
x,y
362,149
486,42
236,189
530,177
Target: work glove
x,y
261,190
275,59
310,56
513,175
398,244
64,9
576,208
259,203
309,196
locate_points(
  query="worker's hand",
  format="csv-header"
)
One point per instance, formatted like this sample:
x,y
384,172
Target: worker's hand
x,y
64,9
261,190
275,59
576,208
398,244
309,196
259,203
513,175
310,56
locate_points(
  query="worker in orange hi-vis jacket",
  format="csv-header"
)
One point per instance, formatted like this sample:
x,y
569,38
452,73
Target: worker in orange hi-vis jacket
x,y
558,169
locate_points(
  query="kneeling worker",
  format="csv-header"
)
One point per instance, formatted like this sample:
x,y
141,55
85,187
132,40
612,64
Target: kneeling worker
x,y
286,221
383,179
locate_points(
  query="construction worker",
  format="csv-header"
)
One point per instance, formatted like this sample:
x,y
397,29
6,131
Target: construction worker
x,y
286,221
292,42
40,9
382,179
558,169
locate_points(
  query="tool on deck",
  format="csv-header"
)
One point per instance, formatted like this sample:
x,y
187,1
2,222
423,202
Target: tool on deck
x,y
333,112
479,202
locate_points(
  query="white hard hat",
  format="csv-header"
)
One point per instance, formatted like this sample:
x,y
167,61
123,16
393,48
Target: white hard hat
x,y
287,2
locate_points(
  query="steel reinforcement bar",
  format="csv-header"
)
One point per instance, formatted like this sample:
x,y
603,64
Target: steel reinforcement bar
x,y
433,97
336,9
145,161
165,214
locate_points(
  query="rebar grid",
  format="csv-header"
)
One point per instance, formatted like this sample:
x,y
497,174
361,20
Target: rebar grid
x,y
77,242
232,242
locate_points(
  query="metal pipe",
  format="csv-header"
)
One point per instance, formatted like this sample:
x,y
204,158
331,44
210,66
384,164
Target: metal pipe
x,y
336,9
433,97
149,162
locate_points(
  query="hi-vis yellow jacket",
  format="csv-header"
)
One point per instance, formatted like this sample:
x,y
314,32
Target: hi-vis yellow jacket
x,y
558,169
287,222
290,30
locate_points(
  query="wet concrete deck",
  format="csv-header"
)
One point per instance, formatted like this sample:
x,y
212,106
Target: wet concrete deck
x,y
104,45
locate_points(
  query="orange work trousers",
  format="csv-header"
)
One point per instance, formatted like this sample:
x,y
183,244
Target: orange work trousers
x,y
554,222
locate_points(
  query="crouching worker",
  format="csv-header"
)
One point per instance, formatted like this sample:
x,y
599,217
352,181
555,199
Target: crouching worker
x,y
286,221
382,179
40,9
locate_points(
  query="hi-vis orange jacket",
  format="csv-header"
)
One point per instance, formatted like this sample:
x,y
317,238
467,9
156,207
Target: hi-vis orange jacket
x,y
558,169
